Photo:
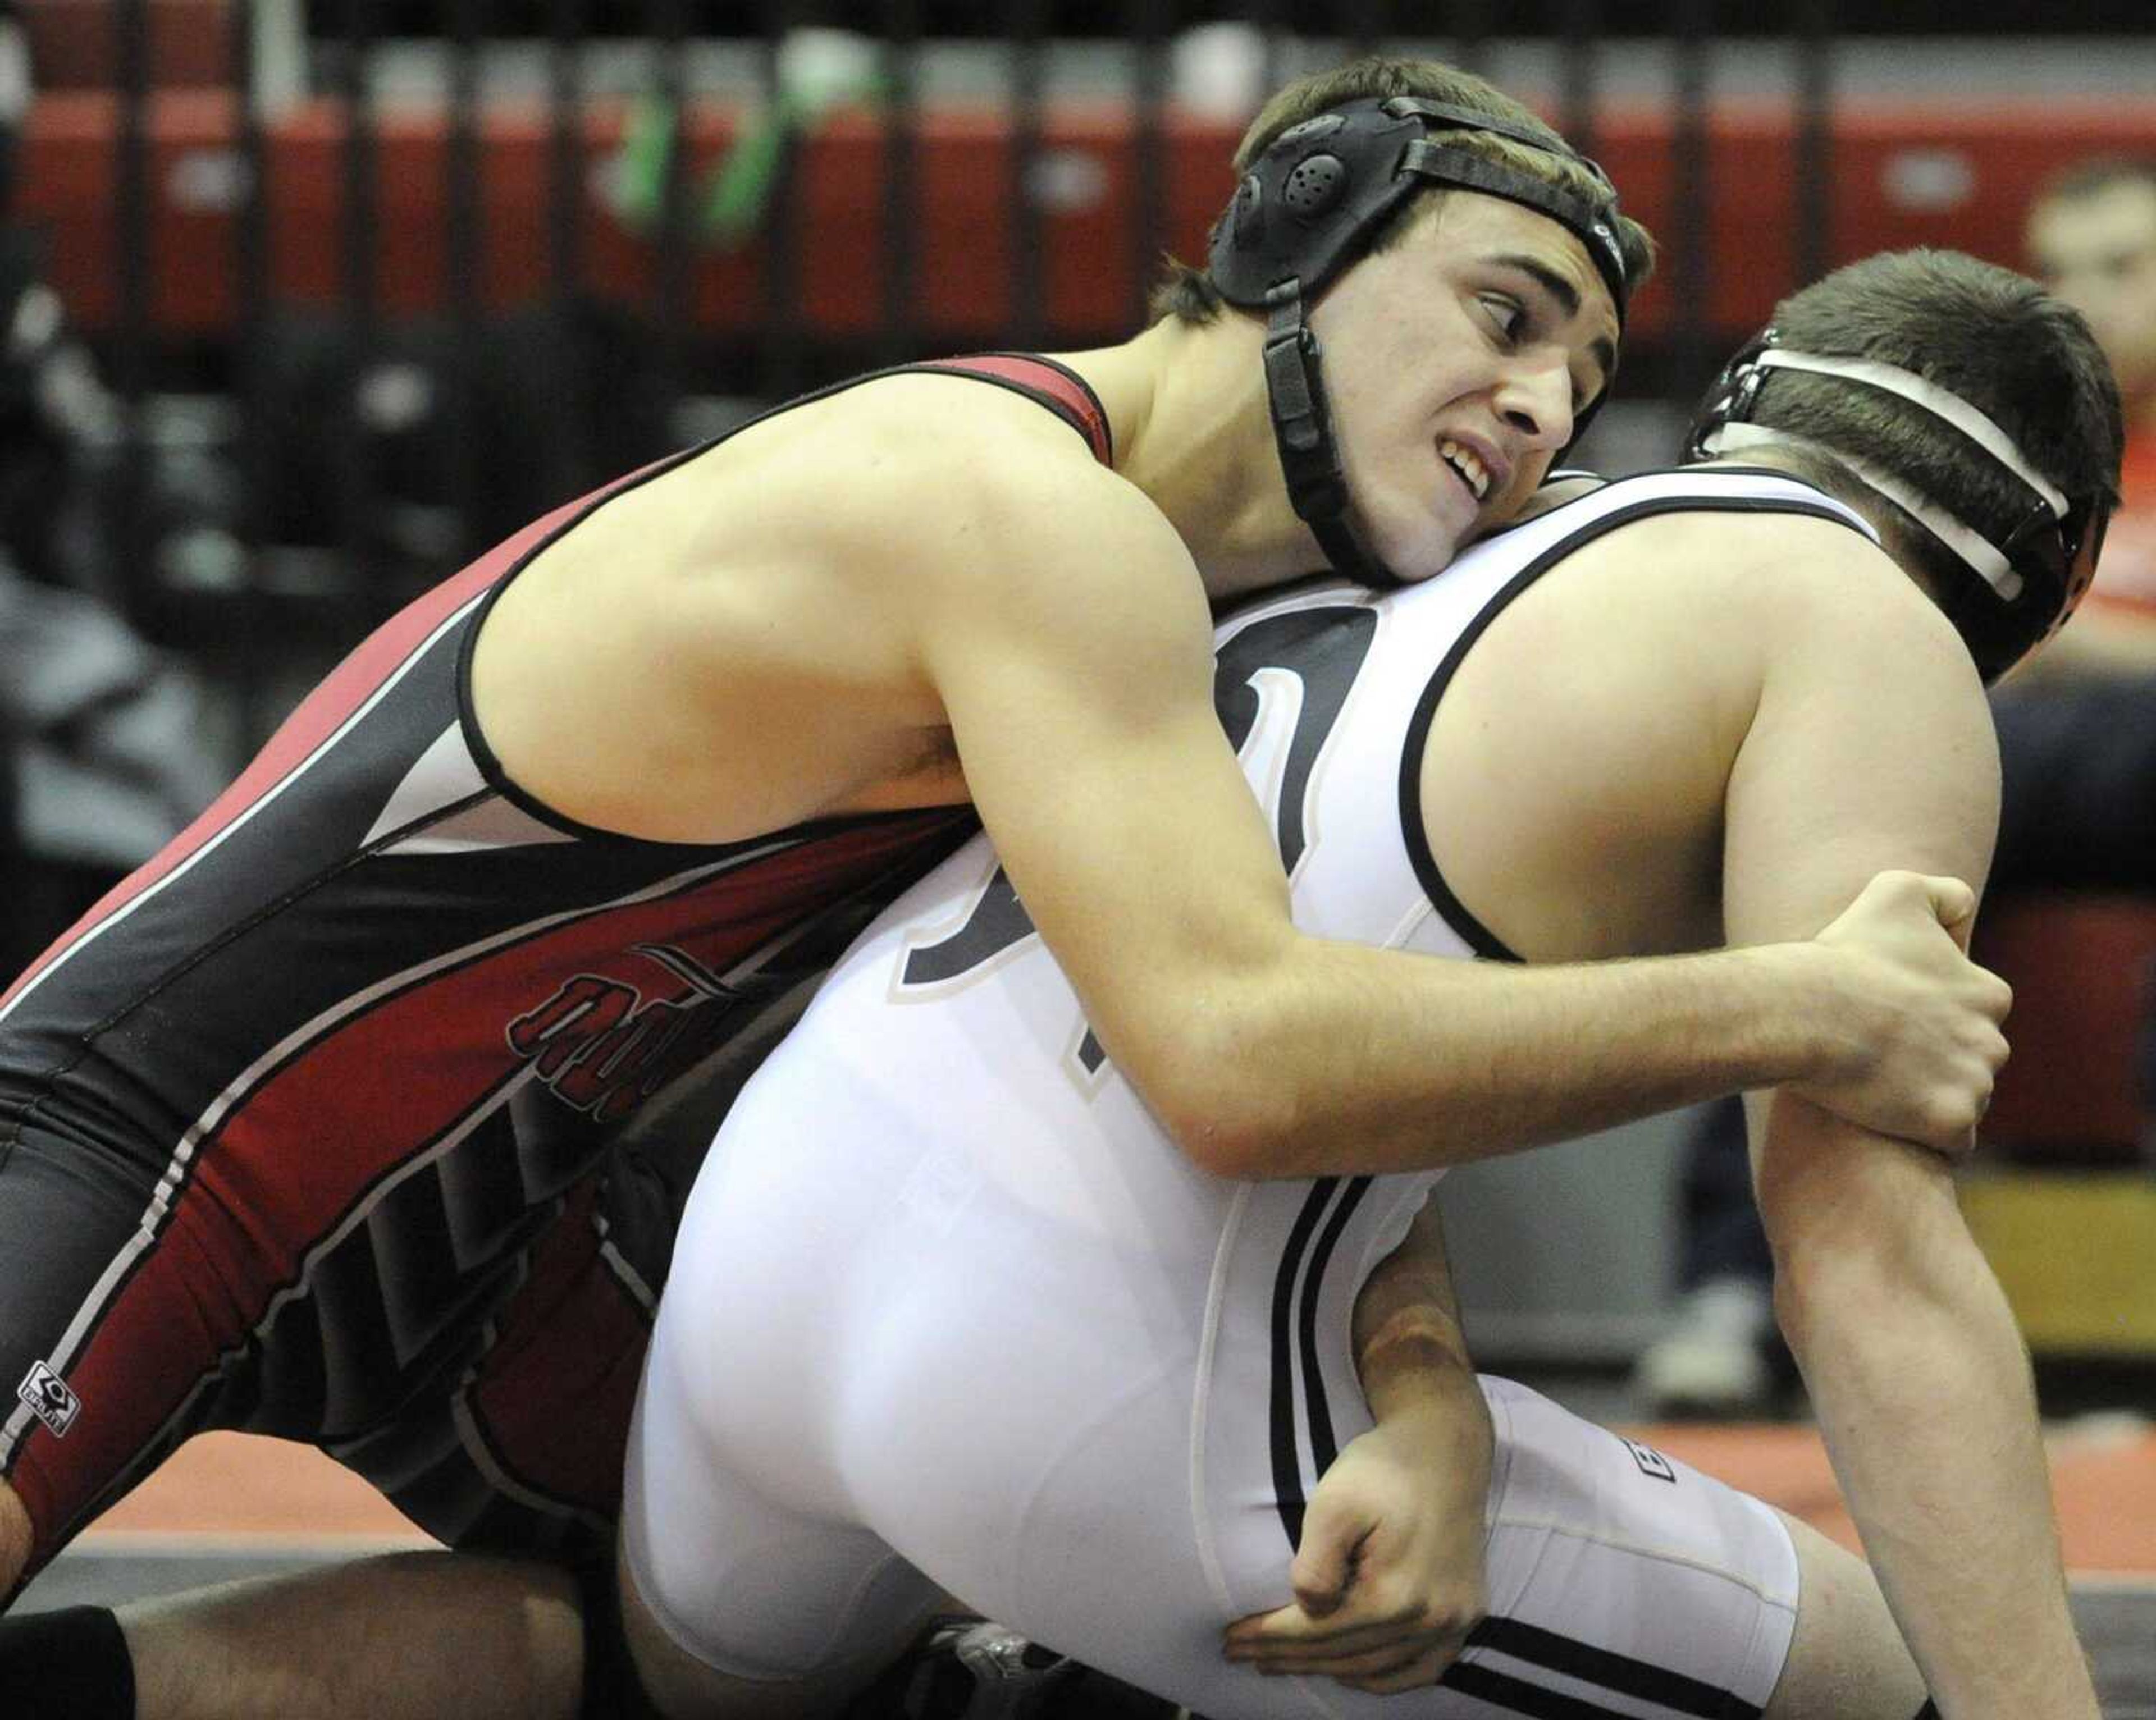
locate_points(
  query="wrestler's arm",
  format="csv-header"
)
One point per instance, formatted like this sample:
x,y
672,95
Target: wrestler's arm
x,y
1389,1577
1871,746
1065,633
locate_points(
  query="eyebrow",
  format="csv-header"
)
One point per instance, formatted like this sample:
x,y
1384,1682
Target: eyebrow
x,y
1567,298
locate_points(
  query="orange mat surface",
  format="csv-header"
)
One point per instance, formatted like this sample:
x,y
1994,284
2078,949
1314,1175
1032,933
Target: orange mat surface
x,y
230,1485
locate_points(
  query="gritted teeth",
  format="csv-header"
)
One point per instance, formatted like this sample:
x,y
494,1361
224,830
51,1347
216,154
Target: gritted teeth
x,y
1468,463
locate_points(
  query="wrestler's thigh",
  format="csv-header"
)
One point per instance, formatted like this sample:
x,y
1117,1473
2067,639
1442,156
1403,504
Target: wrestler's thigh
x,y
1619,1581
98,1318
1614,1569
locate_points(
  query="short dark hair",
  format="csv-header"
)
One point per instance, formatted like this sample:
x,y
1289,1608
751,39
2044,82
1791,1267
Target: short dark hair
x,y
1188,293
2022,357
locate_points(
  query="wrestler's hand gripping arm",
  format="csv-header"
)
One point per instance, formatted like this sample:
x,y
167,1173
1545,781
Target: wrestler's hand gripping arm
x,y
1389,1577
1072,648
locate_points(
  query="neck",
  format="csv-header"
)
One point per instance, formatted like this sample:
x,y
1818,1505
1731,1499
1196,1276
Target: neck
x,y
1193,431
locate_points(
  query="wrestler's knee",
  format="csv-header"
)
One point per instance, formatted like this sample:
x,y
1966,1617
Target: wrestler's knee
x,y
631,1665
646,1673
1847,1660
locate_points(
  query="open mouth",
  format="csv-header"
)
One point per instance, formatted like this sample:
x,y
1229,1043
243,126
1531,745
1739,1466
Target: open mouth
x,y
1468,465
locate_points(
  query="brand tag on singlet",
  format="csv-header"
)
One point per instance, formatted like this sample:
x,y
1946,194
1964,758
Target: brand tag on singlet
x,y
49,1399
1651,1462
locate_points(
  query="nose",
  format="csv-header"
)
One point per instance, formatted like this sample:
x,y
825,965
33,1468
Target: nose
x,y
1535,398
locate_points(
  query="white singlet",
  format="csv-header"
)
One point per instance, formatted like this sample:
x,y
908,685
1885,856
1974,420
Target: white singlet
x,y
949,1310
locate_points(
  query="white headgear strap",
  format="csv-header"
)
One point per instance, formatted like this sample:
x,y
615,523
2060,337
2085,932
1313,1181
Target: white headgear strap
x,y
1938,401
1958,535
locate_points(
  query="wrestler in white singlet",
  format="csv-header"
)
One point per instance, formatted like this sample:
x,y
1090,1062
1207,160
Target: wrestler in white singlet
x,y
948,1309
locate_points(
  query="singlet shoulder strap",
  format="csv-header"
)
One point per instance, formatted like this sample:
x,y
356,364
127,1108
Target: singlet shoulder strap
x,y
1062,390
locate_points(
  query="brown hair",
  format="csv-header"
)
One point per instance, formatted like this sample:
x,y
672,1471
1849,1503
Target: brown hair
x,y
1997,339
1188,294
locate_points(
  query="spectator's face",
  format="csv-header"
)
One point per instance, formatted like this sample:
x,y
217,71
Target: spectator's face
x,y
2098,253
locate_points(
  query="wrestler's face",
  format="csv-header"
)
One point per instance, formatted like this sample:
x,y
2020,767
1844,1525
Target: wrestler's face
x,y
2098,253
1456,362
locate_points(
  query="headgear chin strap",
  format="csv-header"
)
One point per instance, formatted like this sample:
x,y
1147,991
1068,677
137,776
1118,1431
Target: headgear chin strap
x,y
1308,207
2021,585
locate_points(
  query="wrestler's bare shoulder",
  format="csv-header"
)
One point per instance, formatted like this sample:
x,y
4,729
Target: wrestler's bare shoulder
x,y
754,615
927,467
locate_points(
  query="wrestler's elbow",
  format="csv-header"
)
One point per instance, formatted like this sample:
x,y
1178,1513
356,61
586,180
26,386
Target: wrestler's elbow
x,y
1235,1137
1233,1108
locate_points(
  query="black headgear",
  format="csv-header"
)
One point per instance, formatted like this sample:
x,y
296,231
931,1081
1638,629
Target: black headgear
x,y
1309,207
2015,588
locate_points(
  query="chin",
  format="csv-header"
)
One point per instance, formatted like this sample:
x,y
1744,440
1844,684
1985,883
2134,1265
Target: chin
x,y
1413,541
1419,573
1414,558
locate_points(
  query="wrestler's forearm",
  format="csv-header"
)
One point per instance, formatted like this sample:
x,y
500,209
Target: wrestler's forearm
x,y
1410,1352
1366,1062
1923,1394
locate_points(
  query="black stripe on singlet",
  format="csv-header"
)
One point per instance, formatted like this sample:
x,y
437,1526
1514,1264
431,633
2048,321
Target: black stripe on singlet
x,y
1323,1447
1501,1690
1295,1329
1592,1665
1287,1468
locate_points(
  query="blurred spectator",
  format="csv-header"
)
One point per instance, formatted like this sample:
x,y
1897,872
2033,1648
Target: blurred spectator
x,y
2091,239
2077,752
432,491
105,753
101,746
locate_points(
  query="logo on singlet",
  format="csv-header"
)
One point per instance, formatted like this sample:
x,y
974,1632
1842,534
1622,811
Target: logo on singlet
x,y
49,1399
605,1049
1651,1462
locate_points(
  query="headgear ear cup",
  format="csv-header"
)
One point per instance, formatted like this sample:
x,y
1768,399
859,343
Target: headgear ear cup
x,y
1314,186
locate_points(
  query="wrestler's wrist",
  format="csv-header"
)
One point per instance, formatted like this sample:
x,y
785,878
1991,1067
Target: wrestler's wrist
x,y
1801,1031
1416,1366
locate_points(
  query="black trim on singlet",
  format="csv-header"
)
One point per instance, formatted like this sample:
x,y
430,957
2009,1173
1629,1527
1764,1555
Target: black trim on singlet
x,y
1323,1446
1287,1468
1592,1663
1479,936
1501,1690
1294,1332
490,764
